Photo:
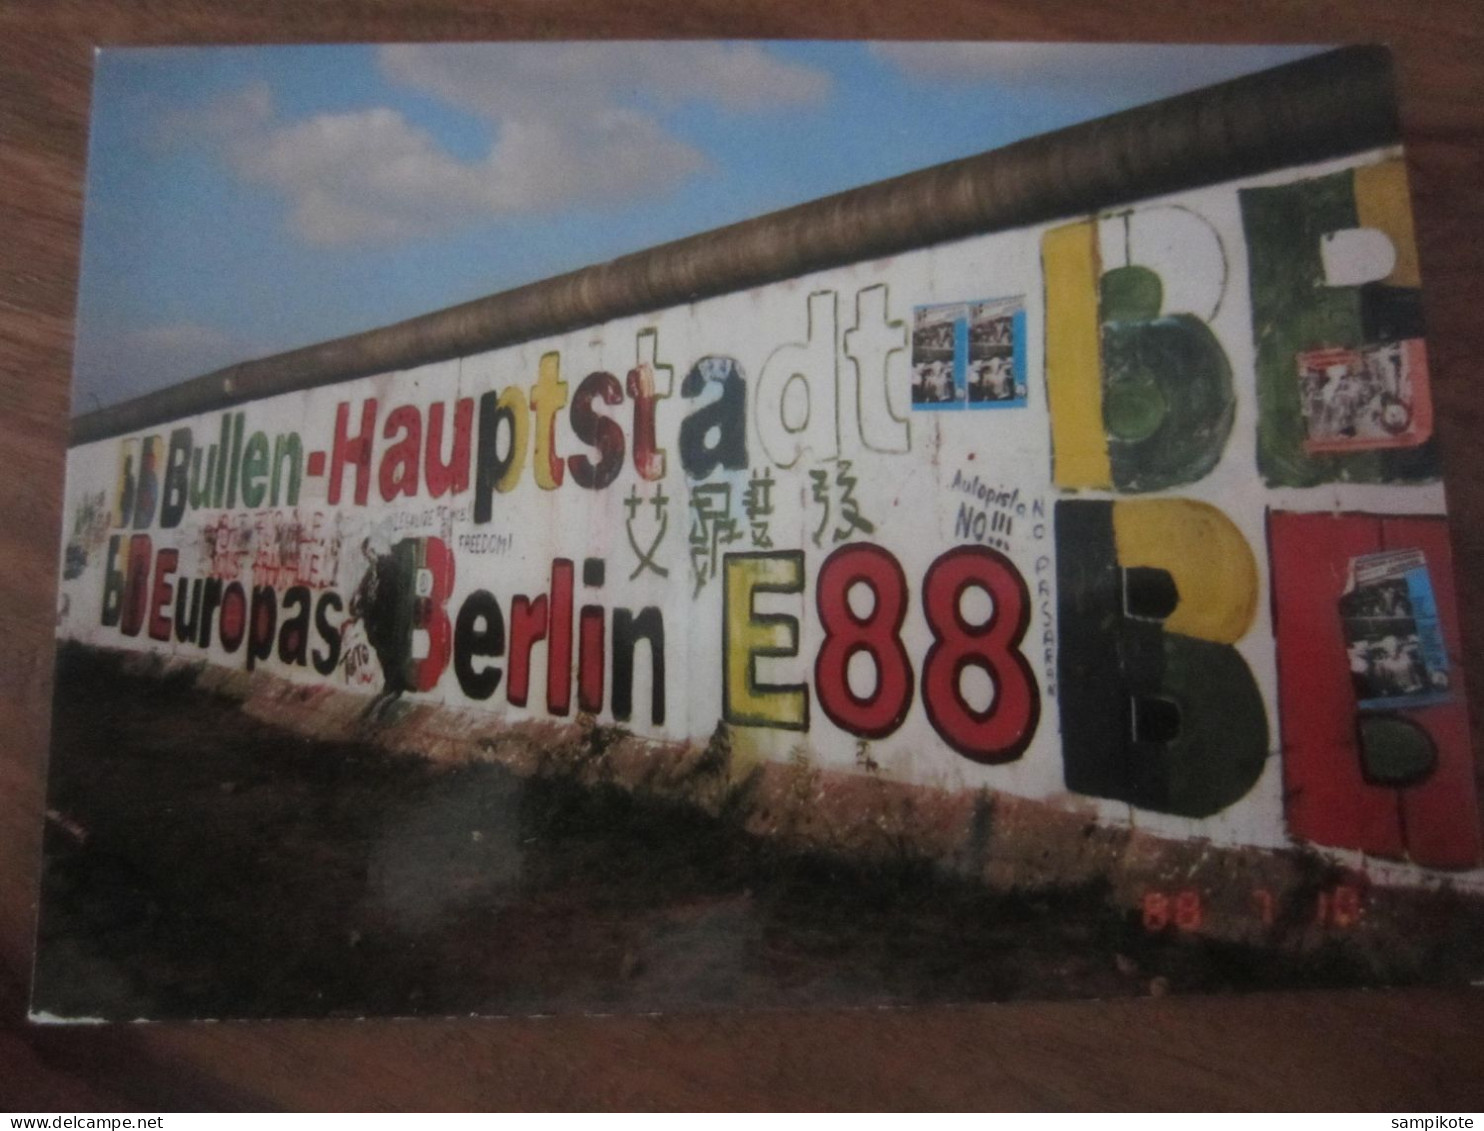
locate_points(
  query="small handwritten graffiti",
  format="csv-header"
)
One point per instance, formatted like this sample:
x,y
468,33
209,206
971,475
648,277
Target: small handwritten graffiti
x,y
821,495
992,513
712,526
1046,618
357,666
492,543
846,506
225,543
279,549
757,502
660,503
90,523
291,551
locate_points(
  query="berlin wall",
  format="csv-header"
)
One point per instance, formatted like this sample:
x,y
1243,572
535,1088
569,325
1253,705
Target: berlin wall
x,y
1093,479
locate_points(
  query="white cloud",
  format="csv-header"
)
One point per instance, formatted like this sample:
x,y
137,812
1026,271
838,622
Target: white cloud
x,y
573,124
1143,70
572,79
366,176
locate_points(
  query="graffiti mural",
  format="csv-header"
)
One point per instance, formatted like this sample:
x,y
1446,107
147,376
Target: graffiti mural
x,y
1020,555
1376,752
1342,375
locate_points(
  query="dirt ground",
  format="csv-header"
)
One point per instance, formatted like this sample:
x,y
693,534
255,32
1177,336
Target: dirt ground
x,y
203,864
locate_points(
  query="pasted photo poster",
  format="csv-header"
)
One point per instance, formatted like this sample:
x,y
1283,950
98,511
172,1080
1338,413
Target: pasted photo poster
x,y
629,527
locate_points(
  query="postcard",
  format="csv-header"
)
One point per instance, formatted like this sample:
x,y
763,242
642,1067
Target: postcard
x,y
631,527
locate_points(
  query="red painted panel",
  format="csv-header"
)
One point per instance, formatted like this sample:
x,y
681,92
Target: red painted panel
x,y
1440,815
1327,800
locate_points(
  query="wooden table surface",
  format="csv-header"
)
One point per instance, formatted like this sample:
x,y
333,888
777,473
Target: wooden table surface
x,y
1319,1050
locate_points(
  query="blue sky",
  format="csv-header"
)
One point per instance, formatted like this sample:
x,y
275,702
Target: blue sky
x,y
244,201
